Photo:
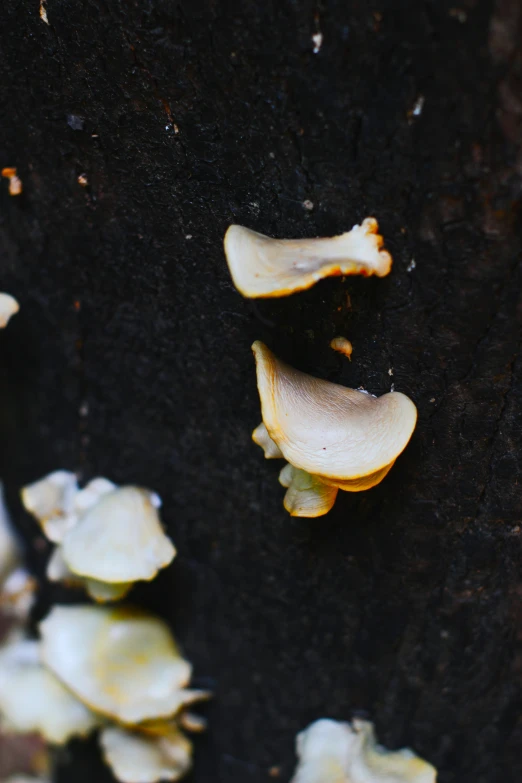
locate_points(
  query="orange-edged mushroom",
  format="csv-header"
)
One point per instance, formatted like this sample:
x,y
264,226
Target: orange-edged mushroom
x,y
264,267
343,438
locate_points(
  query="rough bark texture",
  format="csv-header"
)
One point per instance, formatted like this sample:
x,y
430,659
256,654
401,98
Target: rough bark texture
x,y
131,358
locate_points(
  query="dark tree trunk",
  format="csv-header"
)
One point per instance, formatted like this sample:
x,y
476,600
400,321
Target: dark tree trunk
x,y
131,358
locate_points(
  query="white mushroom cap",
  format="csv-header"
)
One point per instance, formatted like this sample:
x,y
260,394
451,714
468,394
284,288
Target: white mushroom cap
x,y
307,495
329,430
119,539
332,752
32,699
135,758
8,307
51,501
123,663
59,571
261,266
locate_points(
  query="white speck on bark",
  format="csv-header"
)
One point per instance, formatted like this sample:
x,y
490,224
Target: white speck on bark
x,y
318,42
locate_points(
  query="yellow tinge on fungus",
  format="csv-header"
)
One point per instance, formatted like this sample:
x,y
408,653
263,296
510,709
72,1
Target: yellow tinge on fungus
x,y
333,752
332,437
32,699
123,663
263,267
108,536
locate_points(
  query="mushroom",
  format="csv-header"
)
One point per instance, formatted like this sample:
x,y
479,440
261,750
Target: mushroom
x,y
109,537
138,758
59,571
263,267
119,539
57,502
123,663
342,345
343,438
8,307
333,752
32,699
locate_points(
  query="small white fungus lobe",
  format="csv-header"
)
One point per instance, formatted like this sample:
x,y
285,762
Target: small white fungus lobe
x,y
333,752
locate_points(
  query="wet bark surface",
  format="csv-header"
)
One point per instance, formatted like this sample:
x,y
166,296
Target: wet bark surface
x,y
130,357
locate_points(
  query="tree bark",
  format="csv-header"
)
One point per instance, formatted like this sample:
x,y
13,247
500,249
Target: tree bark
x,y
130,356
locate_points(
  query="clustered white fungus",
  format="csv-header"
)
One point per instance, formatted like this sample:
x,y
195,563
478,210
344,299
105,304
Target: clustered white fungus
x,y
115,670
107,537
118,670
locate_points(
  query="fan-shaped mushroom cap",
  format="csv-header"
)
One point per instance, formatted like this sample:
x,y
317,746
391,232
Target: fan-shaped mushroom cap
x,y
8,307
307,495
119,539
261,266
59,571
32,699
332,752
329,430
123,663
136,758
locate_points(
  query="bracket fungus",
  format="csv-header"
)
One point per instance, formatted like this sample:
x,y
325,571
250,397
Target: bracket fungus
x,y
333,752
264,267
123,663
332,437
146,758
108,537
32,699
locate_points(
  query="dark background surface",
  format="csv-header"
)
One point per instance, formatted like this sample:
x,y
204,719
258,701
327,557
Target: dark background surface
x,y
131,358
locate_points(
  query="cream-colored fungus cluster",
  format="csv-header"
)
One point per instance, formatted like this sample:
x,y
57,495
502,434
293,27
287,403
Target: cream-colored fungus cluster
x,y
107,537
333,752
264,267
118,670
